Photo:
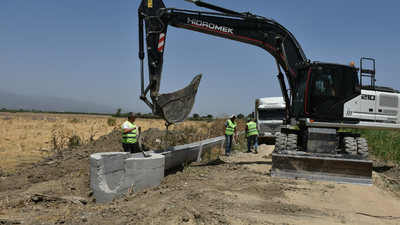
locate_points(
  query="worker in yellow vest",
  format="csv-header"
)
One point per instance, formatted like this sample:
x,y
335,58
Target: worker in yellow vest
x,y
251,135
229,131
129,134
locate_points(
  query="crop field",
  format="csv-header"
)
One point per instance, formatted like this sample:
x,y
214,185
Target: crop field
x,y
26,138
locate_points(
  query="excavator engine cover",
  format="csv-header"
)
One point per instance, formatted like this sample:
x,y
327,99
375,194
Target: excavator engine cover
x,y
175,107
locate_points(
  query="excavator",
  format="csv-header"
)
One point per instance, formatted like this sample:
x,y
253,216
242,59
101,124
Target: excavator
x,y
323,97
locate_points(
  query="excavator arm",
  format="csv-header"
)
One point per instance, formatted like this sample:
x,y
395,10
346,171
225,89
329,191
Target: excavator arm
x,y
243,27
173,107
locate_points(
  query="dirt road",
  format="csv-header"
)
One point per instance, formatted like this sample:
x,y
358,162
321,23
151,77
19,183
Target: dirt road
x,y
230,190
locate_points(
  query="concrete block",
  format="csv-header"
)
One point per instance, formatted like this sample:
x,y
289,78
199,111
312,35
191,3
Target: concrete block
x,y
114,181
114,161
95,178
96,160
133,167
112,174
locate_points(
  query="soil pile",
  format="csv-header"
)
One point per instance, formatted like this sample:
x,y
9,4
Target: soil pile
x,y
76,160
154,138
68,162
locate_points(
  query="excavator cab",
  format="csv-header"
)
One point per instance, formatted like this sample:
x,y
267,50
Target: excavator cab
x,y
322,89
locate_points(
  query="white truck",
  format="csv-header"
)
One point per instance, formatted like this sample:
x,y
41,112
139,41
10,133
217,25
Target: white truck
x,y
269,116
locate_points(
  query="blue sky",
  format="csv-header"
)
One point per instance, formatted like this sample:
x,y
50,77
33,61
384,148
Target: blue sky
x,y
88,50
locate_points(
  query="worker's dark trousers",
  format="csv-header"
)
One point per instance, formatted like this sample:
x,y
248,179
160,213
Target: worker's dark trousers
x,y
131,148
251,139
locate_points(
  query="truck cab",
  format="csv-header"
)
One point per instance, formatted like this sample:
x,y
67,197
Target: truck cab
x,y
269,116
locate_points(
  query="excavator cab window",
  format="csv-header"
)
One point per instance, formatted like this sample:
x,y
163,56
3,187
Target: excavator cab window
x,y
325,93
300,94
320,88
331,85
349,80
324,85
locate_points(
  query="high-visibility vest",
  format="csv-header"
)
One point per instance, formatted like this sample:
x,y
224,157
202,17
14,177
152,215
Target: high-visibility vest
x,y
130,137
251,129
230,128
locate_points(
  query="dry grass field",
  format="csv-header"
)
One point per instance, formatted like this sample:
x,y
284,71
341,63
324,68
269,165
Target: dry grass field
x,y
26,138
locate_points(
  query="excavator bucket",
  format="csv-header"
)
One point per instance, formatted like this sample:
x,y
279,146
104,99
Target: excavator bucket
x,y
175,107
339,168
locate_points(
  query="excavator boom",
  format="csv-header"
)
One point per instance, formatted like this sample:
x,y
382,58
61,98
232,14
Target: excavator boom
x,y
243,27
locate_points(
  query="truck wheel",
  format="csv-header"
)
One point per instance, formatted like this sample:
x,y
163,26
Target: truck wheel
x,y
362,147
291,142
280,142
350,145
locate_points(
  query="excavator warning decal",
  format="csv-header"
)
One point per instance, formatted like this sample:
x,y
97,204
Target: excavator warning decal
x,y
349,112
161,42
150,3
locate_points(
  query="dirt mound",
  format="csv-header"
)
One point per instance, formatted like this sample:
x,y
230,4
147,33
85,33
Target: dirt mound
x,y
75,161
70,161
154,138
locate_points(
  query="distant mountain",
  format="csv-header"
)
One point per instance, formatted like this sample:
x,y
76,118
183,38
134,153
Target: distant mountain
x,y
10,100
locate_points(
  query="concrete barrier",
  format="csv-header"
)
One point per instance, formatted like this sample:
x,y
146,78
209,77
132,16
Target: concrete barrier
x,y
114,174
176,156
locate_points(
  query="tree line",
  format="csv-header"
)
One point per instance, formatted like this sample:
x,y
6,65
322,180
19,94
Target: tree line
x,y
50,112
119,114
194,117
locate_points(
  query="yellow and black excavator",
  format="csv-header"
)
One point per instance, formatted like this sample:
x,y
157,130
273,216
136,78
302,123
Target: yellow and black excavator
x,y
324,96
